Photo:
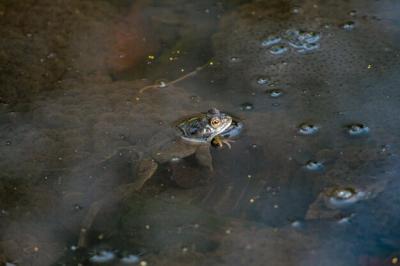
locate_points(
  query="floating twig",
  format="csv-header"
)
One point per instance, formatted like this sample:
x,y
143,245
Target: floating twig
x,y
163,84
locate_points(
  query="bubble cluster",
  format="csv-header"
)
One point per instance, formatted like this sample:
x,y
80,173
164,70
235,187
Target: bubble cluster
x,y
300,40
303,41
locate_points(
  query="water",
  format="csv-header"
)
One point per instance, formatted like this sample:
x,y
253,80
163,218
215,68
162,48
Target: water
x,y
92,88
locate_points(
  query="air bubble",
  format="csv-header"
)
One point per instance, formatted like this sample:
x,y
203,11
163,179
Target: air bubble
x,y
246,106
349,25
357,129
271,40
77,207
308,36
235,59
274,93
345,219
342,197
278,49
130,259
296,10
344,194
308,129
352,13
297,224
102,257
314,165
309,47
175,159
262,80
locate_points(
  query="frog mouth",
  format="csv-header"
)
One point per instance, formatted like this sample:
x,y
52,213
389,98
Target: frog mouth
x,y
226,126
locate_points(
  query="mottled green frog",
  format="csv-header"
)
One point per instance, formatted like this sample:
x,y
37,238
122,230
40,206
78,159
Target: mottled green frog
x,y
193,135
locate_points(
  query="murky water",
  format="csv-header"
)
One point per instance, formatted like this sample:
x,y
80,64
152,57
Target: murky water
x,y
91,88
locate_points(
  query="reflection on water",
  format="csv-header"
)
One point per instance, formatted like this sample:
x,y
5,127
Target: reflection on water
x,y
91,90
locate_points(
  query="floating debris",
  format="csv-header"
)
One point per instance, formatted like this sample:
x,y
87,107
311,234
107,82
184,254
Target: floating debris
x,y
300,40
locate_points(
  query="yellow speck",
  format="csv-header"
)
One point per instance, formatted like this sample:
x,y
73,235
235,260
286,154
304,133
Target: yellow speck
x,y
211,63
370,66
143,263
151,57
395,260
252,200
178,51
171,59
182,70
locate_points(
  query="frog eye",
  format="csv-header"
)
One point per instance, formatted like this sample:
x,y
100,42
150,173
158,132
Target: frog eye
x,y
215,122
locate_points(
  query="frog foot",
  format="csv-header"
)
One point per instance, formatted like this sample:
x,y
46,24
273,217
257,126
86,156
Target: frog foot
x,y
219,142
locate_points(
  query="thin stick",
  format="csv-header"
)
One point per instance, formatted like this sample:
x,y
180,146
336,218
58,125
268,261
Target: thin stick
x,y
166,84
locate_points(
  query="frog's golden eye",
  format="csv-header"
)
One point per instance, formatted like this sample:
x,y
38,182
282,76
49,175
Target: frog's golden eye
x,y
215,122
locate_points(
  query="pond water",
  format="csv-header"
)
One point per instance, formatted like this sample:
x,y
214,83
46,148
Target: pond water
x,y
91,89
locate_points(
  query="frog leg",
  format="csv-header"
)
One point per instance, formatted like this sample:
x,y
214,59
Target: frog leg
x,y
203,156
218,141
145,170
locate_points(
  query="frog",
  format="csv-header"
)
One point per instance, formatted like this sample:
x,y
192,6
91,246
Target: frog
x,y
193,135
